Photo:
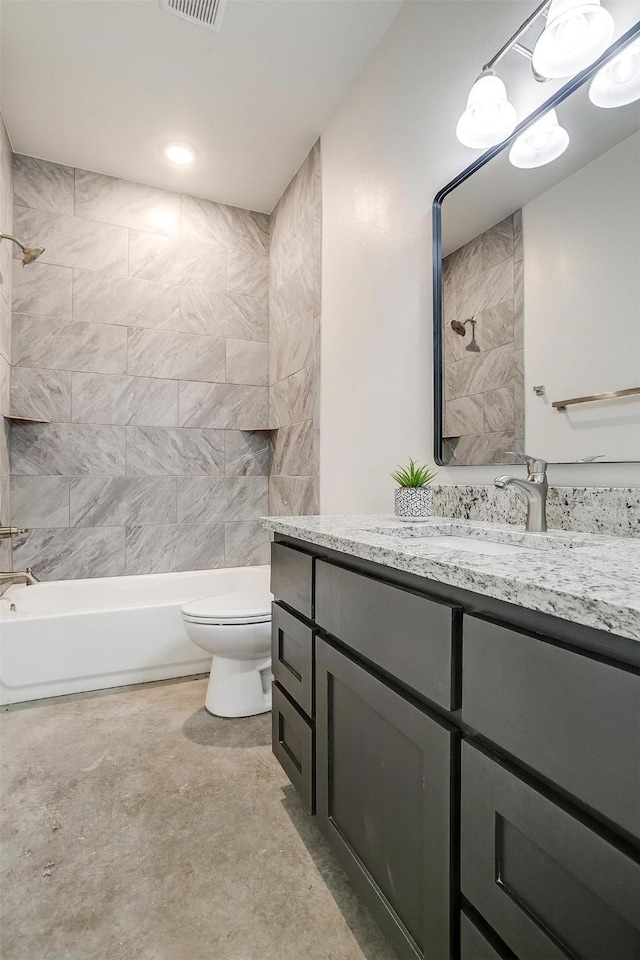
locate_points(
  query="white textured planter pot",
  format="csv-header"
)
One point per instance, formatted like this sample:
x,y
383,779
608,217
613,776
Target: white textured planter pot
x,y
413,503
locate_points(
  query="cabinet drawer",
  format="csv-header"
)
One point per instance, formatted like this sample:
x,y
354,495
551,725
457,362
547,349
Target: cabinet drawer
x,y
473,944
292,578
292,745
573,719
549,886
405,634
292,656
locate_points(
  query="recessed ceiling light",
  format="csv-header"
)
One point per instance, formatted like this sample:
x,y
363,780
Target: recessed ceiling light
x,y
179,153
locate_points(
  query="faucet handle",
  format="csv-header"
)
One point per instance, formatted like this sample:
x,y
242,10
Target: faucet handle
x,y
535,466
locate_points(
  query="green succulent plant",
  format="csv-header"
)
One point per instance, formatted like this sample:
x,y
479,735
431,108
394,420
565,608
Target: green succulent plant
x,y
413,475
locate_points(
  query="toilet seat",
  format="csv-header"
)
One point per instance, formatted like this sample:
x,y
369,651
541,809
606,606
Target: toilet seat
x,y
229,609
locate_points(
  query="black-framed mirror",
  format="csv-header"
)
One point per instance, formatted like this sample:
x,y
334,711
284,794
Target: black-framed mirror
x,y
537,293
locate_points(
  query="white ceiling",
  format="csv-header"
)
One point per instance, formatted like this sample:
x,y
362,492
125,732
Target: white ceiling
x,y
105,84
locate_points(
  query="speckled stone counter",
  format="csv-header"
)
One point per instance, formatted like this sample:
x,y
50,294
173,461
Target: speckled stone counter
x,y
587,579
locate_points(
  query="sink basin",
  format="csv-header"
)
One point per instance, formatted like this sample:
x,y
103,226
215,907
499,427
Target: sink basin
x,y
469,545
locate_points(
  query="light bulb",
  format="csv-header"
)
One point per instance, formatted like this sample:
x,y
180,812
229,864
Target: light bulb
x,y
489,117
179,153
544,141
618,82
577,32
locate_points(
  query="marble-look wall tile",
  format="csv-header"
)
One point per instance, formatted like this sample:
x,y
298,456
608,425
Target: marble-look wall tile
x,y
121,501
177,261
518,305
40,394
482,448
483,371
247,273
205,500
463,416
295,248
294,399
518,251
497,242
498,410
159,549
292,451
246,544
43,185
42,290
5,429
225,226
165,451
5,388
126,204
224,405
67,449
294,298
69,242
292,496
295,348
96,398
247,362
246,454
495,326
5,329
65,553
40,502
68,345
223,315
492,286
518,394
126,301
178,356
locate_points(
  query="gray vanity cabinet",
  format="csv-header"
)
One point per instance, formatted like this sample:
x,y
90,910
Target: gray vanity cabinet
x,y
384,801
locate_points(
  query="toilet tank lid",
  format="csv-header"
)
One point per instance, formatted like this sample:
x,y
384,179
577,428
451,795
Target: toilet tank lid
x,y
230,606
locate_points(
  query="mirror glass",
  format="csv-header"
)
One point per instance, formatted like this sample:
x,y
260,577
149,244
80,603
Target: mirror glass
x,y
541,299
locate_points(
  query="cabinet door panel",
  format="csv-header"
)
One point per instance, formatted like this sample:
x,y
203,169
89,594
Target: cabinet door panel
x,y
473,945
549,886
292,656
384,783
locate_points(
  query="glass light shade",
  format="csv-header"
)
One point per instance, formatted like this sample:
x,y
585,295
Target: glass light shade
x,y
544,141
618,82
489,117
575,35
179,153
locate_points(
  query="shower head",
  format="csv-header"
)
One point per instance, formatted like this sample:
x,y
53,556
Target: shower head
x,y
29,254
460,327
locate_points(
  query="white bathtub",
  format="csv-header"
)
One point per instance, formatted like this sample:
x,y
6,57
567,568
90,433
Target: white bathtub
x,y
68,636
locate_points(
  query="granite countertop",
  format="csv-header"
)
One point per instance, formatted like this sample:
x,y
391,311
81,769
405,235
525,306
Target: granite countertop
x,y
588,579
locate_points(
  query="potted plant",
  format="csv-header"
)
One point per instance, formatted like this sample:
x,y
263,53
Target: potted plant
x,y
413,498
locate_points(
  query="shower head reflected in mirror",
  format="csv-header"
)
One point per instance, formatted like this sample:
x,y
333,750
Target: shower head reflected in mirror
x,y
29,254
460,327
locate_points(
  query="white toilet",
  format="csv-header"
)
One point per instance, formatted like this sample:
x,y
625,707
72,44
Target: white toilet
x,y
236,629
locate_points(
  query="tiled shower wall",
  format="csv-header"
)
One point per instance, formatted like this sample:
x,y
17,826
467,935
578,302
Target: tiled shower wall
x,y
294,334
141,338
6,226
484,390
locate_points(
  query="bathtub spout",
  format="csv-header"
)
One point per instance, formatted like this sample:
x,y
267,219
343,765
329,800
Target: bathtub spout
x,y
18,576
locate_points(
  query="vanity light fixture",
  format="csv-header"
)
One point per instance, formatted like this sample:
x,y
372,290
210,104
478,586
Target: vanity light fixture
x,y
544,141
618,82
179,153
489,117
575,35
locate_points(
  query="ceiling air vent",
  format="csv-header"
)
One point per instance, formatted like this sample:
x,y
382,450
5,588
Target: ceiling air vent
x,y
208,13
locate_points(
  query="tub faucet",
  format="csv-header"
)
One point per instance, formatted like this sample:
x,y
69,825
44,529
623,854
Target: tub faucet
x,y
535,489
7,532
18,576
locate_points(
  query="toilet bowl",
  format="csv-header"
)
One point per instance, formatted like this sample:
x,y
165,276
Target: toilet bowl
x,y
236,629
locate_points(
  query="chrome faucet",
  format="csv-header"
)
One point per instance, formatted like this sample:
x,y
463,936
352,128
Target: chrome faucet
x,y
535,489
18,576
7,532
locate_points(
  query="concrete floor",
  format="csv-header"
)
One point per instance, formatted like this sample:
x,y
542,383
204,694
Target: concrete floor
x,y
135,825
